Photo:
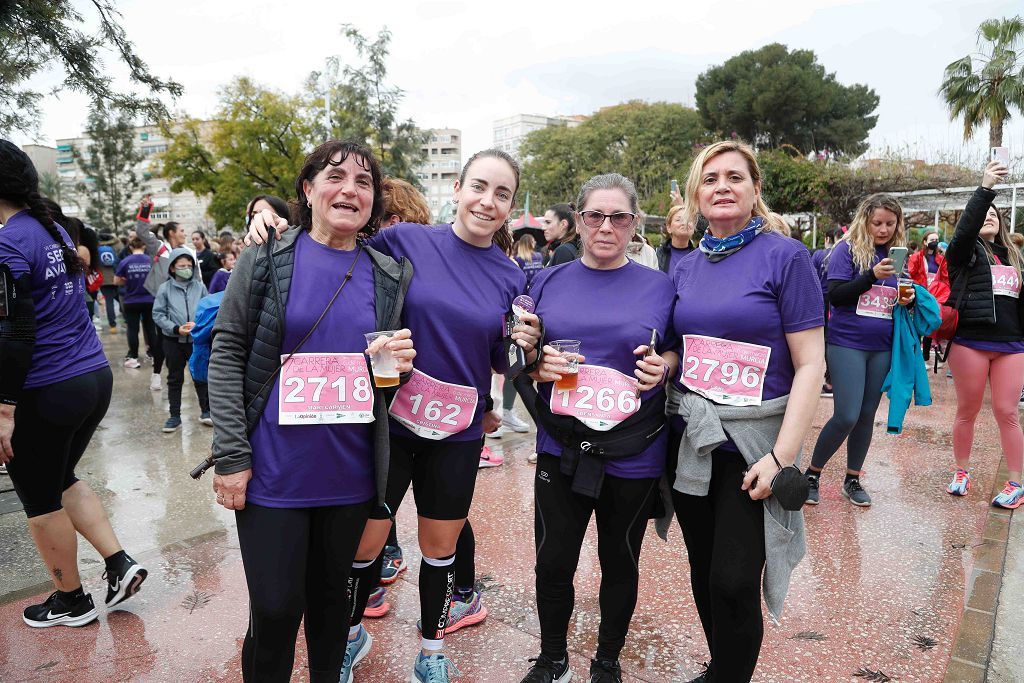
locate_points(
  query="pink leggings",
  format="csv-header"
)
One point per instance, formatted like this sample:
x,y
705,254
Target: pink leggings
x,y
1005,371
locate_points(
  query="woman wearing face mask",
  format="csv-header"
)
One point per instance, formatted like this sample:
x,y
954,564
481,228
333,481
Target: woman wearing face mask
x,y
927,267
560,232
301,449
463,286
985,274
680,239
612,305
749,316
862,292
174,310
208,263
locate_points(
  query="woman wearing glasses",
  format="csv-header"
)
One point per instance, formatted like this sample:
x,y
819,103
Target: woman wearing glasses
x,y
601,445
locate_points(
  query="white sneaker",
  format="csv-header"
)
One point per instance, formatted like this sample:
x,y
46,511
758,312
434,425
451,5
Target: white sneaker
x,y
511,420
497,433
132,363
532,458
3,469
154,382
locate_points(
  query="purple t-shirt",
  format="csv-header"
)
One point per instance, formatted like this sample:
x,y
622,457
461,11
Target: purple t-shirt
x,y
66,342
845,327
134,269
318,465
933,266
454,308
611,312
675,255
219,281
757,295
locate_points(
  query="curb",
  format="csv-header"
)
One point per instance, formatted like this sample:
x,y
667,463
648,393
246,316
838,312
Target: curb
x,y
972,647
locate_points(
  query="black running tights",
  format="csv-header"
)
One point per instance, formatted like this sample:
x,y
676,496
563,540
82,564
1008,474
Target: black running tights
x,y
724,536
561,518
297,562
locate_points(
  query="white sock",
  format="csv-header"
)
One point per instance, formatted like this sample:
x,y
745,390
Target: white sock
x,y
433,646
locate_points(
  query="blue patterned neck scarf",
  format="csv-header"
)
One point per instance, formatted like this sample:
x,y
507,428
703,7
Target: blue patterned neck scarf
x,y
717,249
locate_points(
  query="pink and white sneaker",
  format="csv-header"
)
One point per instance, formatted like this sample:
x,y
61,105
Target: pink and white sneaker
x,y
1011,496
961,483
489,458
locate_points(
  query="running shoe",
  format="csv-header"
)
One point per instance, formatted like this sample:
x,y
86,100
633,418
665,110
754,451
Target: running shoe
x,y
826,391
57,611
856,494
812,489
961,483
489,458
394,564
1011,497
705,675
464,611
172,425
547,671
113,329
205,418
375,606
355,651
511,420
497,433
154,382
532,458
435,668
1020,404
605,671
124,581
3,470
132,363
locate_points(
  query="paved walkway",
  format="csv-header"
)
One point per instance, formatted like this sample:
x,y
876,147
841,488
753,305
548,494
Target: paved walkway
x,y
880,595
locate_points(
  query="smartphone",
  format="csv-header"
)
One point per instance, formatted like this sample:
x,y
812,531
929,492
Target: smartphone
x,y
652,346
1001,154
899,258
6,290
675,186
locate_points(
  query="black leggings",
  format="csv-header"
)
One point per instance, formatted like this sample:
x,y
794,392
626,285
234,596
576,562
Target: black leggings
x,y
52,428
297,563
561,518
110,294
857,391
134,315
724,536
177,355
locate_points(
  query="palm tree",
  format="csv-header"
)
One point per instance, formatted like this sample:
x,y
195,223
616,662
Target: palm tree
x,y
983,87
50,185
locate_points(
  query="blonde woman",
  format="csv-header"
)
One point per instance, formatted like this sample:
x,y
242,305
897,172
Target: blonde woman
x,y
751,364
862,292
679,242
985,275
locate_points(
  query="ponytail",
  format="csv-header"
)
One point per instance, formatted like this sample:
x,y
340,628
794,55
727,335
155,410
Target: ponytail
x,y
37,209
503,238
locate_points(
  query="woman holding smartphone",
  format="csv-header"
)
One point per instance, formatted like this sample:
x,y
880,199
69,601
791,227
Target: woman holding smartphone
x,y
862,291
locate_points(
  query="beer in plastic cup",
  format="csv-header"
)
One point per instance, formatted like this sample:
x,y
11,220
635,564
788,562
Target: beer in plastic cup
x,y
385,372
569,349
906,288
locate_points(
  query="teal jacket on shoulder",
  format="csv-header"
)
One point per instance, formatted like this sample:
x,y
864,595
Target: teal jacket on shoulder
x,y
908,375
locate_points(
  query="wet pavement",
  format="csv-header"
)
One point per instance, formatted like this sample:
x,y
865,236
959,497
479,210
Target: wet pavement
x,y
880,595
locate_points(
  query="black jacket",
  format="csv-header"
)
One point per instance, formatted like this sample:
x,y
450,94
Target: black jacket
x,y
983,316
665,254
247,347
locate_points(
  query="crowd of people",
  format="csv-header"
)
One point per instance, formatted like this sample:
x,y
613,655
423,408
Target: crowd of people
x,y
348,355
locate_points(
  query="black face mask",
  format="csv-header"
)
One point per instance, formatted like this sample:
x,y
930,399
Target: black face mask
x,y
932,246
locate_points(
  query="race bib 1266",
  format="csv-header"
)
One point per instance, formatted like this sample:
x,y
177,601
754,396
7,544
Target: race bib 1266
x,y
603,398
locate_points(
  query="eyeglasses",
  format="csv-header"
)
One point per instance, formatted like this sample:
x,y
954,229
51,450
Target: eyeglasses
x,y
619,219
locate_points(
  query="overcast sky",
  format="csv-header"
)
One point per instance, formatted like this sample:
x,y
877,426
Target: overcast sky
x,y
465,64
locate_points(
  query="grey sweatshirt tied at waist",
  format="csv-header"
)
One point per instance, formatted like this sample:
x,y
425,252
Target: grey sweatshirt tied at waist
x,y
754,430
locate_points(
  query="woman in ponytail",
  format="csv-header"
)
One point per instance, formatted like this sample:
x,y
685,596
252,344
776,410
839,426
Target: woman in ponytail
x,y
54,391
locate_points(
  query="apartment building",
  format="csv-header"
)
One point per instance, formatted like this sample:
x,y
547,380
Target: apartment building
x,y
510,132
441,168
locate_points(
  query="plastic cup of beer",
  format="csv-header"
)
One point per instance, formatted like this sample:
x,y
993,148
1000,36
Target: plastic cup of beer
x,y
385,371
906,288
569,349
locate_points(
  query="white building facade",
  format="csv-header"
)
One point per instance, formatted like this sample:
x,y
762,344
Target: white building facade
x,y
510,132
441,168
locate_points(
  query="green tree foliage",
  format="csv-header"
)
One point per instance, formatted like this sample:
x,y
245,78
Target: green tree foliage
x,y
259,137
775,97
255,146
984,88
50,185
39,34
649,143
109,163
790,183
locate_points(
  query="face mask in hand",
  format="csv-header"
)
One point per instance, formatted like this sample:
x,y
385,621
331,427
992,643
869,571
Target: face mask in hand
x,y
183,273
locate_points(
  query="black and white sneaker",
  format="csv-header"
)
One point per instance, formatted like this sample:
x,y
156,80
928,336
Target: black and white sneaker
x,y
812,489
125,581
605,671
57,611
547,671
855,493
